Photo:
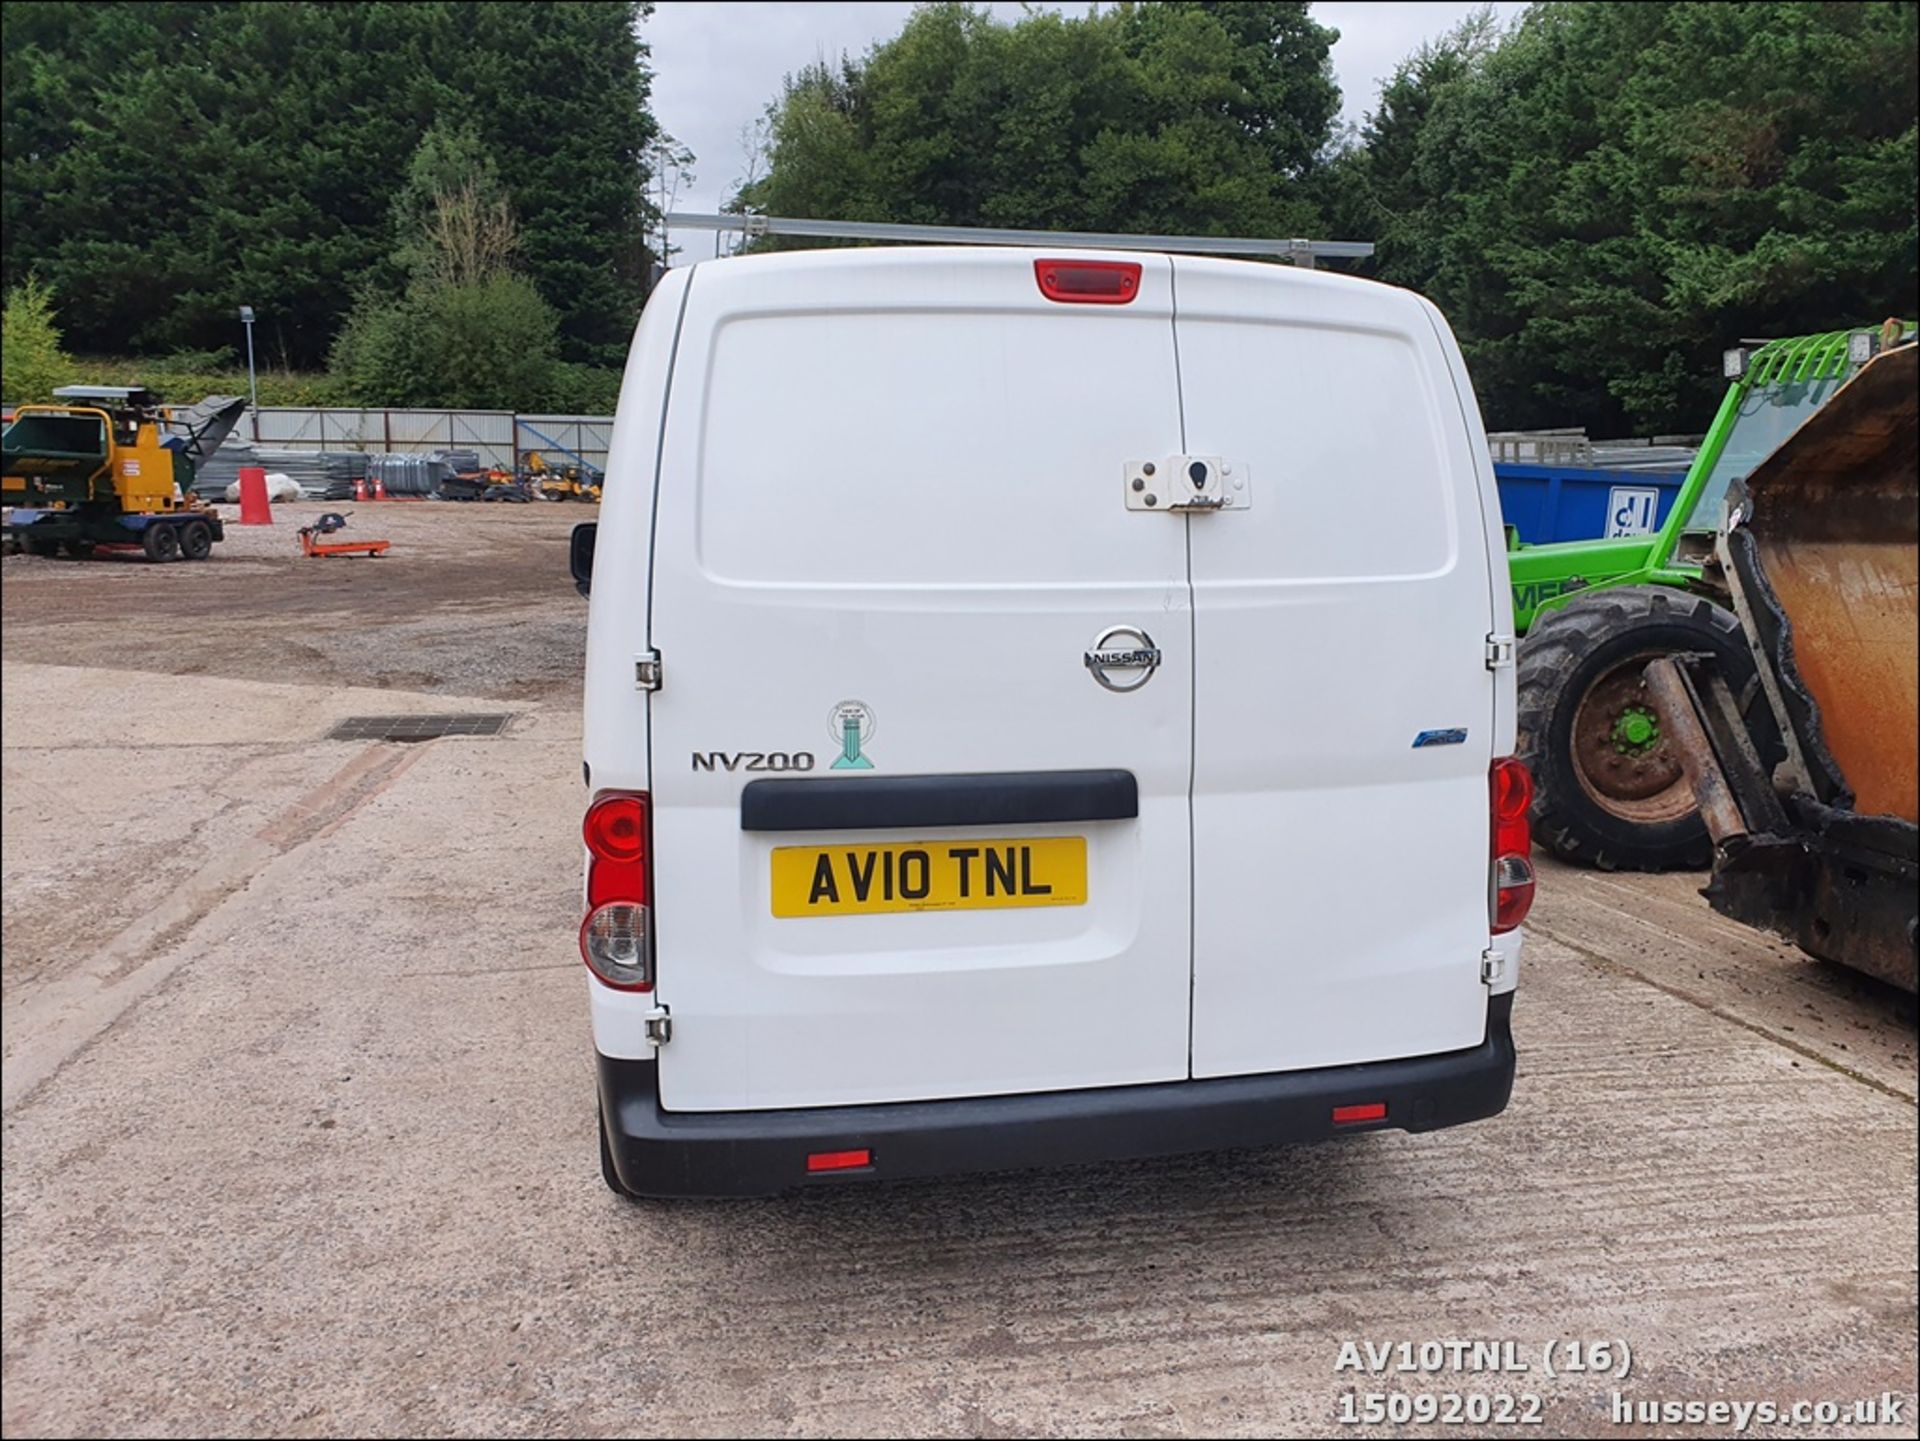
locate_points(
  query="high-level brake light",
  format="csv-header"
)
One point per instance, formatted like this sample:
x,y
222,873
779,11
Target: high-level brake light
x,y
1088,282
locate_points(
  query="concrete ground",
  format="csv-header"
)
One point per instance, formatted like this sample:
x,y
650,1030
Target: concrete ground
x,y
298,1115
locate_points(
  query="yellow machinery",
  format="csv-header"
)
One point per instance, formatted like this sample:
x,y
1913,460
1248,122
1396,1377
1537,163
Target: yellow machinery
x,y
111,466
553,483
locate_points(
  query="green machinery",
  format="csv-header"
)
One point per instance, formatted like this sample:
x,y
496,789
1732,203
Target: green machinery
x,y
1822,549
109,465
1610,788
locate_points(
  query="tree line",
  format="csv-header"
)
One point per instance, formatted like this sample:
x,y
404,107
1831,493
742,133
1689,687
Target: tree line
x,y
446,202
1601,197
1605,197
164,163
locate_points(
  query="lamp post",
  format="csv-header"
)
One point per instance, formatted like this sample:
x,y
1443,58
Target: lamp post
x,y
253,385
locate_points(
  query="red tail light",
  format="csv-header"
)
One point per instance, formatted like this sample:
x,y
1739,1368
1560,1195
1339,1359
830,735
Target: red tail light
x,y
1512,879
1088,282
616,938
615,831
616,826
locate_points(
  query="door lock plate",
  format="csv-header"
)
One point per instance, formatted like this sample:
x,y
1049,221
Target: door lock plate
x,y
1188,483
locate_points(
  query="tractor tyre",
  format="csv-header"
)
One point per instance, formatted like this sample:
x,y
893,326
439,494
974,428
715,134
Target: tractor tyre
x,y
80,549
40,545
161,543
196,540
1609,790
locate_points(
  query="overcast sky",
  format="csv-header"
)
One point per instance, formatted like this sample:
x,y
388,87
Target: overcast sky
x,y
717,65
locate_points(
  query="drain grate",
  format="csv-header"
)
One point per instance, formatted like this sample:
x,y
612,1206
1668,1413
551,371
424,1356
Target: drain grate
x,y
417,727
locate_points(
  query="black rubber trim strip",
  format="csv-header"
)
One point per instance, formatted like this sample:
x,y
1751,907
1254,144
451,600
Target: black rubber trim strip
x,y
985,798
655,1152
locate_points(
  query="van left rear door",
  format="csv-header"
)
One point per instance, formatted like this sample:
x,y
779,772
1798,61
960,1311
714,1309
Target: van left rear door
x,y
889,530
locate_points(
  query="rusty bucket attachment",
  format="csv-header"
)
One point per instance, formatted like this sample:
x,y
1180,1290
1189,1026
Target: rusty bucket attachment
x,y
1822,552
1827,562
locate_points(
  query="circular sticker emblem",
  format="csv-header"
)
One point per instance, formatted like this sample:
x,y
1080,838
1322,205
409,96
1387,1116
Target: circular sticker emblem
x,y
851,725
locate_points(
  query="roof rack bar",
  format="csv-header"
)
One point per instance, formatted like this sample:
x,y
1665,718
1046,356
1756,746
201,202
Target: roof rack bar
x,y
1301,252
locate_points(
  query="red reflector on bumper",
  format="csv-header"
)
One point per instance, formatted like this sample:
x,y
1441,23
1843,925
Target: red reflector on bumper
x,y
1347,1115
839,1160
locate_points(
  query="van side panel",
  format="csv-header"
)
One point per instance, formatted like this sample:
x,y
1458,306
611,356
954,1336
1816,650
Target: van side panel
x,y
1340,861
615,741
892,489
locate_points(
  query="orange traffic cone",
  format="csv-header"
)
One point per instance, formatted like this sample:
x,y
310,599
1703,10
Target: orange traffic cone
x,y
254,509
360,488
379,488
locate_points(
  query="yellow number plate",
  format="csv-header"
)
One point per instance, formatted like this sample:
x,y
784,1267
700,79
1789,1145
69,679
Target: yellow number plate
x,y
969,875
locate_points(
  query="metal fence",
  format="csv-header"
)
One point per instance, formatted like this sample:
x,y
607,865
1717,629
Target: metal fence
x,y
501,437
1569,446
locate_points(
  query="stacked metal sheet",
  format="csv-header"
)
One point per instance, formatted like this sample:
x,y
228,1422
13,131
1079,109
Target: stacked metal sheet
x,y
320,474
420,474
222,468
402,474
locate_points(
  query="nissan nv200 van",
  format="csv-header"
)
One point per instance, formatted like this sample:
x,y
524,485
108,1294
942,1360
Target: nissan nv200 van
x,y
1042,706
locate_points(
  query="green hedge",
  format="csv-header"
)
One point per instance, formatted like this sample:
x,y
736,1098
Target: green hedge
x,y
186,376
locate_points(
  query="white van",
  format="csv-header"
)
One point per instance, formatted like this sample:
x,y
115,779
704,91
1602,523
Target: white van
x,y
1042,706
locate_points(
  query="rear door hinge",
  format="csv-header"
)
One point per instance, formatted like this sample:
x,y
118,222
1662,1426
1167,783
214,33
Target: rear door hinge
x,y
659,1026
1499,651
646,670
1493,966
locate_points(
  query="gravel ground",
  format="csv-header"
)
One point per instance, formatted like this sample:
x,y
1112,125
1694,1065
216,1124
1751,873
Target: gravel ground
x,y
412,619
299,1135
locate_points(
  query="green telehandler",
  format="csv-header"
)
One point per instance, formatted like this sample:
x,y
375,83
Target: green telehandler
x,y
1610,789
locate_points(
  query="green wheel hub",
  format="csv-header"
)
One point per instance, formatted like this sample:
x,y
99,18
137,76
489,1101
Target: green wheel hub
x,y
1636,730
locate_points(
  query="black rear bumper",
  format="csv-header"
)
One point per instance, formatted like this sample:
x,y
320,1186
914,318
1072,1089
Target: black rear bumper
x,y
753,1153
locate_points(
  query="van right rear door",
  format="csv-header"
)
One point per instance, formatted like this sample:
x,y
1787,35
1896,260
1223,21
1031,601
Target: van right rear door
x,y
1345,709
889,530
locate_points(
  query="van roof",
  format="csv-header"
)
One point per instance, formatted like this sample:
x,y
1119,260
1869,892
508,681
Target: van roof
x,y
934,257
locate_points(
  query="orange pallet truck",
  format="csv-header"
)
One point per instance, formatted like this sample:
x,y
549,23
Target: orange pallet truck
x,y
312,545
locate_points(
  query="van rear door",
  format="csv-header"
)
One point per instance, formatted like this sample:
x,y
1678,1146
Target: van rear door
x,y
888,532
1344,708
